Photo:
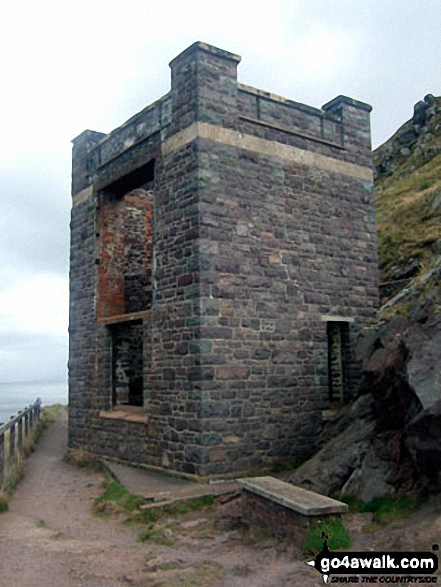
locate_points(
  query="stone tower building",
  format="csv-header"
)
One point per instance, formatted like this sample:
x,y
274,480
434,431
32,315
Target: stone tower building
x,y
223,257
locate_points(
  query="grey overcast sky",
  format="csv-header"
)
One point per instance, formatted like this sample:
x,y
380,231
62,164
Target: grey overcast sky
x,y
66,66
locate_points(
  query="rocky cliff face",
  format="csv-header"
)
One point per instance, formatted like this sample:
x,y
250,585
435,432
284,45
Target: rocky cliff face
x,y
414,144
389,440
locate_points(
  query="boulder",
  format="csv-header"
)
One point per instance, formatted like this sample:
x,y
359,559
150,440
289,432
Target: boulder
x,y
423,443
387,441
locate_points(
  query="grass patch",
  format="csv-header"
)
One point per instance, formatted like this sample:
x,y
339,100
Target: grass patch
x,y
390,509
151,516
48,416
385,510
41,524
242,570
407,224
163,536
208,573
83,460
425,185
4,506
116,499
338,536
184,507
14,474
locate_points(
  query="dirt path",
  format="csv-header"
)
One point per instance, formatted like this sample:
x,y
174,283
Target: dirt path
x,y
50,538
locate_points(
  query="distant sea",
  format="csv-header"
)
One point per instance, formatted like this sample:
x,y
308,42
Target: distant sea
x,y
16,396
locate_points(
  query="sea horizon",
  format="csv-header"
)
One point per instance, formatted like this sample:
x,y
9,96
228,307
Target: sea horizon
x,y
15,396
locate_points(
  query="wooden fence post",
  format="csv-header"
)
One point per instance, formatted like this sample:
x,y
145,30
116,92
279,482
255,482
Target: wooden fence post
x,y
2,457
12,441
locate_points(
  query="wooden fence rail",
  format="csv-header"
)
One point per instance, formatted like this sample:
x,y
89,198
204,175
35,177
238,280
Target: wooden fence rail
x,y
13,435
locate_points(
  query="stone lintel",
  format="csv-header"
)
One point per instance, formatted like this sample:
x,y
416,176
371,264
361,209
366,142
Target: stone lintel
x,y
335,318
118,319
307,503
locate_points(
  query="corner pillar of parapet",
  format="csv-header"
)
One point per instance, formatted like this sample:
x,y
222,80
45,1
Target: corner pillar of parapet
x,y
83,144
355,119
204,86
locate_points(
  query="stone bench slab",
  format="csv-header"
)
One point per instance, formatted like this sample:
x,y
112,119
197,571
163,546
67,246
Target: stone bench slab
x,y
302,501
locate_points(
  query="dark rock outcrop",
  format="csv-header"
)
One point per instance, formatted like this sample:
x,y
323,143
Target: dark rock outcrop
x,y
387,441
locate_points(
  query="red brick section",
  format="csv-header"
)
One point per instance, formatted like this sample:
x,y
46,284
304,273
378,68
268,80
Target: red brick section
x,y
126,233
110,300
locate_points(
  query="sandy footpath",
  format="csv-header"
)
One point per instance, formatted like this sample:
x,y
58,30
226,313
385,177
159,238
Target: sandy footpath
x,y
50,537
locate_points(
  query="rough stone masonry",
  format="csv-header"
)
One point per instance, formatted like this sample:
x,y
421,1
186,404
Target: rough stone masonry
x,y
223,258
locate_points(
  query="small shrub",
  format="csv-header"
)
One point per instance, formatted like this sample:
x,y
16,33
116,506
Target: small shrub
x,y
426,185
83,460
14,474
338,536
41,524
3,503
163,536
242,570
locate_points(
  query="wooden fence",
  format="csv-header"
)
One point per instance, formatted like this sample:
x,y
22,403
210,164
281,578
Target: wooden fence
x,y
13,435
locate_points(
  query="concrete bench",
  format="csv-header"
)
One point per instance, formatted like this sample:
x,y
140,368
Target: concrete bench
x,y
285,510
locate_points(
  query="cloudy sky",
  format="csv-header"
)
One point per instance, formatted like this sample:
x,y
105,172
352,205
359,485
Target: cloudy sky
x,y
66,66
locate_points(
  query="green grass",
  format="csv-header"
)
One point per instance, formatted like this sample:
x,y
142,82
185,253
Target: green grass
x,y
163,536
385,510
3,504
390,509
338,536
83,460
116,499
406,223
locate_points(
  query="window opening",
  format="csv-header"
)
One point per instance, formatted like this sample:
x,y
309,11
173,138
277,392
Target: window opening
x,y
337,333
127,364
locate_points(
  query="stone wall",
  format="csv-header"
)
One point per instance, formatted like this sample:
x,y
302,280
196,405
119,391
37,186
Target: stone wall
x,y
263,230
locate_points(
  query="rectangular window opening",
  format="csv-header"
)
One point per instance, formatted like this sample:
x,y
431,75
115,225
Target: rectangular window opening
x,y
127,364
338,341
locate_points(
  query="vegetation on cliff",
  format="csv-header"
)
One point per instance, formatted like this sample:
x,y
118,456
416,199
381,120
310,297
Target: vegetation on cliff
x,y
408,194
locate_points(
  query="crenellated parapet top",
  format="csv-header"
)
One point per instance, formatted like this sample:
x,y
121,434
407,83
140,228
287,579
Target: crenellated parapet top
x,y
248,110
